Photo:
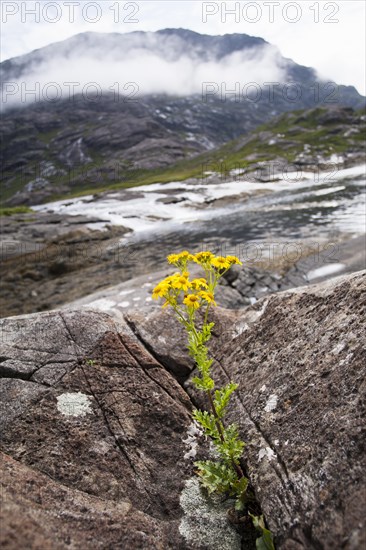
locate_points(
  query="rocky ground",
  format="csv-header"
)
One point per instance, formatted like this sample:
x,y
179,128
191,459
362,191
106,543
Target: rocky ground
x,y
97,443
49,260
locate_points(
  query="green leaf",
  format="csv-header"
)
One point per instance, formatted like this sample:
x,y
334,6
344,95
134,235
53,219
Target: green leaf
x,y
241,493
207,421
206,332
222,397
216,476
206,383
265,542
232,447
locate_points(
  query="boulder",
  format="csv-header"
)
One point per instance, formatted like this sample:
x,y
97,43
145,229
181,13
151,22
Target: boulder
x,y
92,437
301,369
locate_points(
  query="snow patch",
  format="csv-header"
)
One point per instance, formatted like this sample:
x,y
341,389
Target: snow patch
x,y
325,270
125,292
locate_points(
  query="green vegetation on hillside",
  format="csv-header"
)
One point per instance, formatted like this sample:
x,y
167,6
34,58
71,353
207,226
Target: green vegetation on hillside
x,y
10,211
317,133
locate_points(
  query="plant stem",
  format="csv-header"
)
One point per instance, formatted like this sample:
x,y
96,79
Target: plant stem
x,y
218,421
219,426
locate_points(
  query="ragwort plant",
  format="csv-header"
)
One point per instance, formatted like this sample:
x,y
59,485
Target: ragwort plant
x,y
186,297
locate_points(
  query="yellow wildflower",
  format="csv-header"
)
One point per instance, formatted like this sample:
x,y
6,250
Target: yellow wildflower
x,y
181,283
173,258
160,291
220,262
233,260
199,283
181,258
169,280
170,301
208,296
203,257
192,301
185,255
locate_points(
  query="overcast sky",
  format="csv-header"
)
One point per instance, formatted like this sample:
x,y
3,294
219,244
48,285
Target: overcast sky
x,y
329,36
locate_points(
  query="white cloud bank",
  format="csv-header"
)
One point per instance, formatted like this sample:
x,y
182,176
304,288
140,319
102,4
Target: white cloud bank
x,y
329,36
142,73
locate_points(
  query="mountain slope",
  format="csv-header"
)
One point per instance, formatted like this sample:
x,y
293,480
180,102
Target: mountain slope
x,y
97,139
315,139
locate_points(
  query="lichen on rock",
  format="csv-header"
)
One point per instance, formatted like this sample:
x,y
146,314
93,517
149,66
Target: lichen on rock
x,y
205,521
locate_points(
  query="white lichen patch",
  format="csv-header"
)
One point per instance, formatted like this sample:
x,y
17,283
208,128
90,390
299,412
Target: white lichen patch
x,y
338,348
205,520
74,404
102,447
191,442
125,292
347,359
271,403
267,453
102,304
239,328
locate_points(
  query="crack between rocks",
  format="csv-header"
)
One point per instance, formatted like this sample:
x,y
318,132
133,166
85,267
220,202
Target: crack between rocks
x,y
258,428
26,376
144,344
255,424
282,470
148,348
146,371
17,375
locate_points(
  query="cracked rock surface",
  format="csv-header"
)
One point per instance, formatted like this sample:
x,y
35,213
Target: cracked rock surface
x,y
96,412
299,357
92,430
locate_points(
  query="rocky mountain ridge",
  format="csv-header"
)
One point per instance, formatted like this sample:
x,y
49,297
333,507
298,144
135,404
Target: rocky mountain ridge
x,y
73,144
131,145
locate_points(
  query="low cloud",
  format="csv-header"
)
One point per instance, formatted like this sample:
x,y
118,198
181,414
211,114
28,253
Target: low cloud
x,y
62,74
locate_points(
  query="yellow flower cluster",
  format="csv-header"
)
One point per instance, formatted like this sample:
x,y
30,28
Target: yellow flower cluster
x,y
204,259
197,292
